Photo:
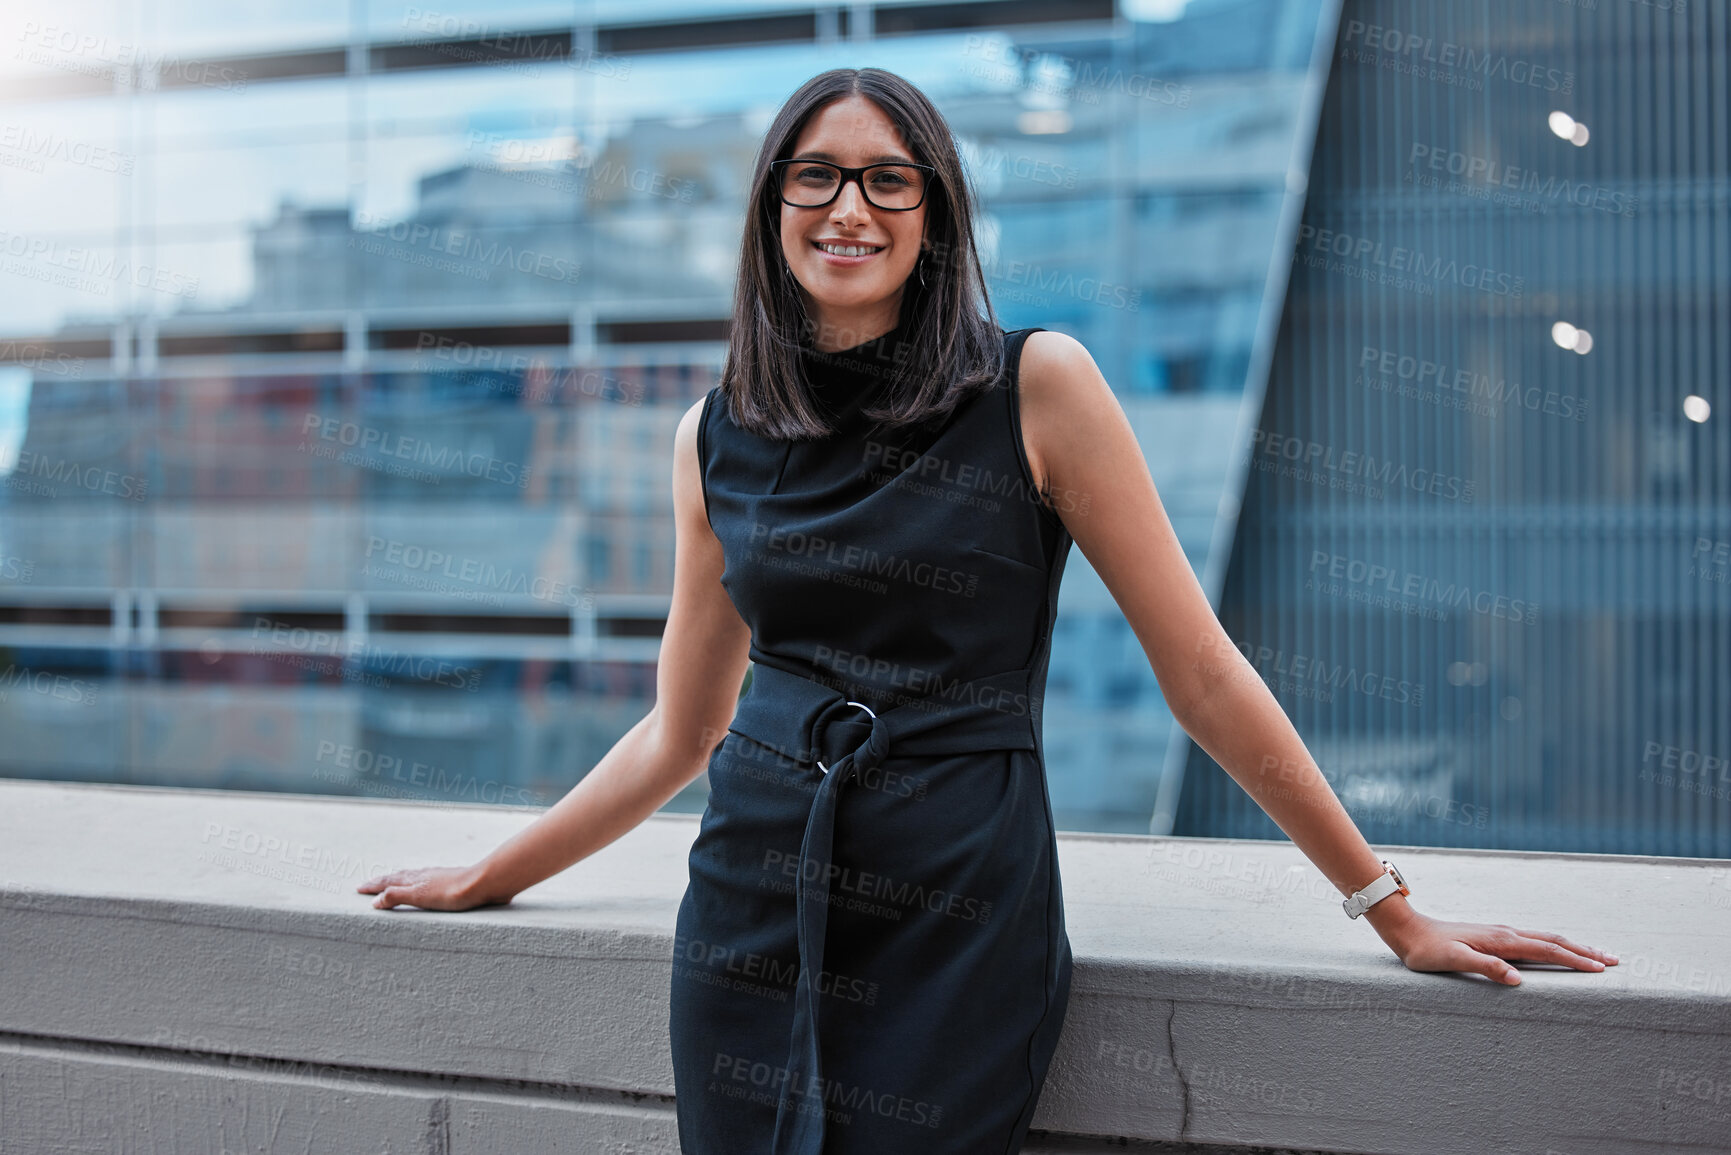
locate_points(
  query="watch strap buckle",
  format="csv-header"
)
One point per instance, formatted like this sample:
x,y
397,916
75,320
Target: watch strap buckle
x,y
1387,883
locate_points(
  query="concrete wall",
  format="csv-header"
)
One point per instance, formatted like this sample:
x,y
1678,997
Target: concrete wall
x,y
192,972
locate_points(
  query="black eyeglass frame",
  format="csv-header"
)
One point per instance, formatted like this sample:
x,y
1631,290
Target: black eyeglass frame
x,y
857,175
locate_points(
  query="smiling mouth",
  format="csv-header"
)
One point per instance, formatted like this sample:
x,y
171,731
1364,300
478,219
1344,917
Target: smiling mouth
x,y
847,250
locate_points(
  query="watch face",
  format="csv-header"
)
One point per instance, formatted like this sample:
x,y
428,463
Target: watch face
x,y
1398,880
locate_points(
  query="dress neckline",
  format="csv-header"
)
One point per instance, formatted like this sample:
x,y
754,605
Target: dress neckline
x,y
842,380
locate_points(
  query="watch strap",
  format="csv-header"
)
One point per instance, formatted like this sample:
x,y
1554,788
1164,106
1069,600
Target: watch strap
x,y
1380,887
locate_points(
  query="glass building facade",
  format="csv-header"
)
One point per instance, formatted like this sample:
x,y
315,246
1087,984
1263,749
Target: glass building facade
x,y
1484,559
342,345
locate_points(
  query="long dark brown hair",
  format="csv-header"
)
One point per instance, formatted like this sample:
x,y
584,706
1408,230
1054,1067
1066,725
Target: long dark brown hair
x,y
951,343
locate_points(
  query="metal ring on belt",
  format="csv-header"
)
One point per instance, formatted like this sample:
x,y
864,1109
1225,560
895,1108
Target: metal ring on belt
x,y
862,706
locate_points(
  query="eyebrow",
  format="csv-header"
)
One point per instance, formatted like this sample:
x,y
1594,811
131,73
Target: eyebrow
x,y
819,154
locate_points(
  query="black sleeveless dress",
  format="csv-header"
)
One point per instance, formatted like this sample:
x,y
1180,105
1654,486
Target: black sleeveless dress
x,y
871,955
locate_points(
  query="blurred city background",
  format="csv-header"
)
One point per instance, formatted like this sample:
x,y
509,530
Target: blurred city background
x,y
342,343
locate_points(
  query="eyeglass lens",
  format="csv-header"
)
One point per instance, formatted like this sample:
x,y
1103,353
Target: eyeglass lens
x,y
809,184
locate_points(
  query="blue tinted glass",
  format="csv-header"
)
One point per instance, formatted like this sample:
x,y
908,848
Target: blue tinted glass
x,y
345,346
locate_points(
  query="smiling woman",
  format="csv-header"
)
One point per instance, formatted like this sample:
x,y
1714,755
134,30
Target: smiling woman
x,y
878,818
860,220
874,508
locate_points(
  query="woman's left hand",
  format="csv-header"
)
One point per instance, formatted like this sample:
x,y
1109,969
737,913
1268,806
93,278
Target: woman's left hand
x,y
1429,944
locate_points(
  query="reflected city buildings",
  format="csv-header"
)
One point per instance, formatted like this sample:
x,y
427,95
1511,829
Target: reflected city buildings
x,y
342,350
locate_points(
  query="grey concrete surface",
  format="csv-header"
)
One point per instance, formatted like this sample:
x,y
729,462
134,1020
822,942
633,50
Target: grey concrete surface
x,y
192,971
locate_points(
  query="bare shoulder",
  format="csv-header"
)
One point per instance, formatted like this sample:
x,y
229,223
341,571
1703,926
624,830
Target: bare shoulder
x,y
1062,392
685,436
687,467
1049,354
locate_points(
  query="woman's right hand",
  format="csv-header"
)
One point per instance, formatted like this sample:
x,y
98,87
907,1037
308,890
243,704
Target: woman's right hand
x,y
431,888
705,652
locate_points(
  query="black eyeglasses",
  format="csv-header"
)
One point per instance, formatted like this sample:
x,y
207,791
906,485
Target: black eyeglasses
x,y
812,184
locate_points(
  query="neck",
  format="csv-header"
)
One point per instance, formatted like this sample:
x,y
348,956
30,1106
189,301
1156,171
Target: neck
x,y
836,329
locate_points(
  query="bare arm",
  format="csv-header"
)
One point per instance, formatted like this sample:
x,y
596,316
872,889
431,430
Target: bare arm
x,y
697,679
1080,443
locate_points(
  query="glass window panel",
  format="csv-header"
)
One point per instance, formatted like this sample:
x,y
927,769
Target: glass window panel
x,y
65,168
1482,559
214,29
409,472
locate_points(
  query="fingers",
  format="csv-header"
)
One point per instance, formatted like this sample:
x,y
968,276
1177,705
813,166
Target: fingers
x,y
1602,956
428,887
1479,963
401,896
395,878
1517,945
1454,953
1490,949
378,882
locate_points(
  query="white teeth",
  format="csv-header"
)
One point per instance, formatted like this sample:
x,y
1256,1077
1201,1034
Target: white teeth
x,y
849,250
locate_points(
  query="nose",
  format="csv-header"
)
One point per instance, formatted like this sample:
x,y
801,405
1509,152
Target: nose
x,y
850,203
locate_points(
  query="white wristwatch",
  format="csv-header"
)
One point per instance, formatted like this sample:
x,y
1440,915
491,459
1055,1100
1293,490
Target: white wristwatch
x,y
1387,883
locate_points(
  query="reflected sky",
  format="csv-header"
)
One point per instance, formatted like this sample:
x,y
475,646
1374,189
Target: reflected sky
x,y
190,165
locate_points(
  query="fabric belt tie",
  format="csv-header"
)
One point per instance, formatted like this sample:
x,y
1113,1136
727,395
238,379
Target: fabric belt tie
x,y
809,722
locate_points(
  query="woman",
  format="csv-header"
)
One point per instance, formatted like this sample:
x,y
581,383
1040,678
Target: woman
x,y
874,506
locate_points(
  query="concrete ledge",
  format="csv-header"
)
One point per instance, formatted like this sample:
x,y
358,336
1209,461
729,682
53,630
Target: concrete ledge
x,y
189,968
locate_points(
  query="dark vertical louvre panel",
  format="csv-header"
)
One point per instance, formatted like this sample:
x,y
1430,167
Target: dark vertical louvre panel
x,y
1443,717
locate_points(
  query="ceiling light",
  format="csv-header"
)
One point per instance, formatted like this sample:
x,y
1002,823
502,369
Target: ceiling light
x,y
1568,336
1569,128
1155,11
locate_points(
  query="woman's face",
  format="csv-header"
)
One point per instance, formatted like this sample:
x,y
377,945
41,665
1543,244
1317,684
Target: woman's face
x,y
852,299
